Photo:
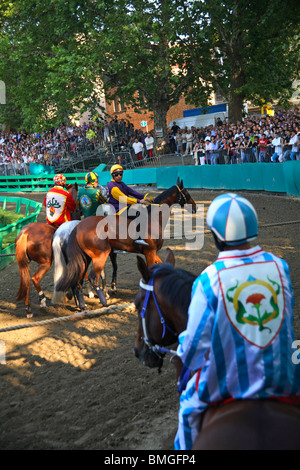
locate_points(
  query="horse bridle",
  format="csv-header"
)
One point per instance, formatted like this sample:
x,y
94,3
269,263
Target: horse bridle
x,y
182,196
155,348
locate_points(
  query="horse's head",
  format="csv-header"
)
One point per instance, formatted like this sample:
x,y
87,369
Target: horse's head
x,y
153,331
184,197
73,189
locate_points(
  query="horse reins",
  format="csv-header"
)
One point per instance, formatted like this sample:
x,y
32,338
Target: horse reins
x,y
183,196
156,348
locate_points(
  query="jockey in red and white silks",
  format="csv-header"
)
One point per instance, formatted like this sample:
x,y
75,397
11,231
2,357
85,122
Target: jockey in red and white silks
x,y
59,203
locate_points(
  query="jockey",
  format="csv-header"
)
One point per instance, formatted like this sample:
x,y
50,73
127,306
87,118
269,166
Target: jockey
x,y
59,202
91,196
120,195
239,336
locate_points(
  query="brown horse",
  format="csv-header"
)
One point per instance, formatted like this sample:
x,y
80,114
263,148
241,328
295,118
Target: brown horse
x,y
162,303
34,243
95,237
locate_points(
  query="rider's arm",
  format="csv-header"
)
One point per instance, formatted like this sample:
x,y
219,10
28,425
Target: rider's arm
x,y
119,195
195,341
71,204
100,198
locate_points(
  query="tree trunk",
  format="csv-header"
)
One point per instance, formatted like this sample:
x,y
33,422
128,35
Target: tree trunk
x,y
236,100
160,110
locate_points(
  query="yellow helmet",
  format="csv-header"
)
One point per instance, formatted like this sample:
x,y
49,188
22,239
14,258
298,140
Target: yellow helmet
x,y
91,177
115,168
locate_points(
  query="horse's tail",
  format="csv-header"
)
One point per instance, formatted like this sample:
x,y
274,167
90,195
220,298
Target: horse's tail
x,y
76,265
59,271
23,263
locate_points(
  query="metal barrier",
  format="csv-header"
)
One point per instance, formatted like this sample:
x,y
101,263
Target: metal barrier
x,y
7,253
39,183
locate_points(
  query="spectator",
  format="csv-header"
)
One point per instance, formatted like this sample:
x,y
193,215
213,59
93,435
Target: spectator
x,y
213,147
175,128
278,146
149,142
262,148
294,142
138,148
189,142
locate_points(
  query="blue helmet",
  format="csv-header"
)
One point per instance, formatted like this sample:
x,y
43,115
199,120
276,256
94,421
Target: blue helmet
x,y
232,219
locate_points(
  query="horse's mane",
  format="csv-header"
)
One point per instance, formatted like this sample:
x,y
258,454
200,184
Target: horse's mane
x,y
176,285
163,195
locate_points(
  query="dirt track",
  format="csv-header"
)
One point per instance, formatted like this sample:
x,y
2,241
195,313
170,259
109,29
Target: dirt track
x,y
77,385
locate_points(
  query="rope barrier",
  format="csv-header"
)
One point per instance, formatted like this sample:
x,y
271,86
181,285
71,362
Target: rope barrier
x,y
73,317
280,223
208,231
10,254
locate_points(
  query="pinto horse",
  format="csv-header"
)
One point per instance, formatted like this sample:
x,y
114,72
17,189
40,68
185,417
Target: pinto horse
x,y
95,237
162,304
34,243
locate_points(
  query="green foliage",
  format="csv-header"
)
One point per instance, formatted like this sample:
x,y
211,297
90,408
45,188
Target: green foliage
x,y
54,55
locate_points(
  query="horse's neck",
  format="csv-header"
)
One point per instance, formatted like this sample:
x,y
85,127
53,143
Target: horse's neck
x,y
168,197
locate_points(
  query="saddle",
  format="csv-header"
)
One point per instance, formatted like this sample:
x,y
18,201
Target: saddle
x,y
250,425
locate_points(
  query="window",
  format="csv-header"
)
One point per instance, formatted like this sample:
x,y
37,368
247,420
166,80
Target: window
x,y
118,105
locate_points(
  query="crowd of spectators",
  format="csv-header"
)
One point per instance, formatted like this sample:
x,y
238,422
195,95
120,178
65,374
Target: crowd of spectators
x,y
256,138
18,149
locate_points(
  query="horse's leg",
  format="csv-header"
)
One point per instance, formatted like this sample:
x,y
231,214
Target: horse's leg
x,y
113,258
103,282
23,264
98,266
36,279
79,297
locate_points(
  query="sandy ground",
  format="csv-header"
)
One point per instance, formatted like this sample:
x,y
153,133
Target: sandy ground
x,y
77,385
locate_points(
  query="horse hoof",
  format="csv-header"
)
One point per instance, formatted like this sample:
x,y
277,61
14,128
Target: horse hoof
x,y
91,295
43,303
29,315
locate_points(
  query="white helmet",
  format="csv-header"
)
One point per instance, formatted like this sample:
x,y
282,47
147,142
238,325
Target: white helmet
x,y
232,219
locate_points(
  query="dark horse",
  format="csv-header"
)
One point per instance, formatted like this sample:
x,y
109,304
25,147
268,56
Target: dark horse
x,y
162,303
34,243
95,237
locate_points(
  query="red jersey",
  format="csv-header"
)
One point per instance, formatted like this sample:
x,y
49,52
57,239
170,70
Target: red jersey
x,y
263,142
59,204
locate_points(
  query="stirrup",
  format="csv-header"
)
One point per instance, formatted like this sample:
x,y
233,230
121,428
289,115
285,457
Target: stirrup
x,y
141,242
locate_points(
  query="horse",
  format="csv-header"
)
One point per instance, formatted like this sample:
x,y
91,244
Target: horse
x,y
89,243
34,243
162,304
59,247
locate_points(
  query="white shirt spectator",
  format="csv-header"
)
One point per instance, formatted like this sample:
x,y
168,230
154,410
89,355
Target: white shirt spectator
x,y
294,141
137,147
277,144
149,142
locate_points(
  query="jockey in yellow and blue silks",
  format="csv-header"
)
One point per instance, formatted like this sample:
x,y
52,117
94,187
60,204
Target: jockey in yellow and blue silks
x,y
120,195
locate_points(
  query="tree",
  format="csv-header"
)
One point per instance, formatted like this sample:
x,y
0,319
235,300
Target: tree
x,y
148,57
256,49
54,55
